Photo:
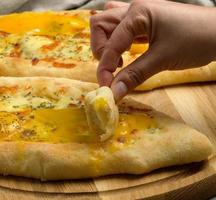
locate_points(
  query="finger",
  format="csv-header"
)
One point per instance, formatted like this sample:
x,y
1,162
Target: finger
x,y
136,73
120,40
97,41
102,26
98,36
114,4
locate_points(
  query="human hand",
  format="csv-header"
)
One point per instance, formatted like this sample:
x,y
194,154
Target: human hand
x,y
179,35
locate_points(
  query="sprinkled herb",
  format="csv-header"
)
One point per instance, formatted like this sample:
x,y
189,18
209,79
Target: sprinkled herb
x,y
56,94
121,139
5,97
27,133
29,93
46,105
153,130
32,116
15,106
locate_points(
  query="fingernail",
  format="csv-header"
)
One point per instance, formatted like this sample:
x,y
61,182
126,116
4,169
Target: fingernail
x,y
119,90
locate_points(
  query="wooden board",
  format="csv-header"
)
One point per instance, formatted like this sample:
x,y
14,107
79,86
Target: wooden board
x,y
192,104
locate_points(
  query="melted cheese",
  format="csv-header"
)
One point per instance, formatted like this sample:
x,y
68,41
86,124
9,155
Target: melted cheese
x,y
44,23
45,48
22,101
67,125
31,44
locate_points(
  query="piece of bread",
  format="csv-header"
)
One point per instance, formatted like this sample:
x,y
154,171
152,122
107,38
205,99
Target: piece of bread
x,y
102,112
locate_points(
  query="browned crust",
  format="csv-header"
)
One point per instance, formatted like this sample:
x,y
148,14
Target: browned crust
x,y
19,67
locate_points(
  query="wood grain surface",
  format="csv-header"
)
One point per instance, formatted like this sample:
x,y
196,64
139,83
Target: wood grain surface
x,y
193,104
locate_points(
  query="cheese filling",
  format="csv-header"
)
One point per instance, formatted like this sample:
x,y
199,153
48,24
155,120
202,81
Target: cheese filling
x,y
45,49
66,125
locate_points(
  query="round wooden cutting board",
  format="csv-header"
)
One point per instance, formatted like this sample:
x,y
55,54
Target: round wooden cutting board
x,y
194,105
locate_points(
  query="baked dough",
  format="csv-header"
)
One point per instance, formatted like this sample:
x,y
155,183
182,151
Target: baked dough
x,y
167,78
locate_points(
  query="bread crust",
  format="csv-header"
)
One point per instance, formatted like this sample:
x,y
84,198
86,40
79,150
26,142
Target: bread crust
x,y
173,144
19,67
86,71
166,78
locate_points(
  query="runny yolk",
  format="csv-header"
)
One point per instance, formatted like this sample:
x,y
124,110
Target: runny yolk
x,y
65,125
44,23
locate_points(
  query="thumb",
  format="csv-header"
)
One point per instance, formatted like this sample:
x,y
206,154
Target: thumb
x,y
136,73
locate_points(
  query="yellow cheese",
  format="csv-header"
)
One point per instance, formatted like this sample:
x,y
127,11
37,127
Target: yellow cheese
x,y
137,48
67,125
44,23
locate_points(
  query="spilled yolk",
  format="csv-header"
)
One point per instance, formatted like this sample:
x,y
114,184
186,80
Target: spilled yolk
x,y
64,126
46,23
